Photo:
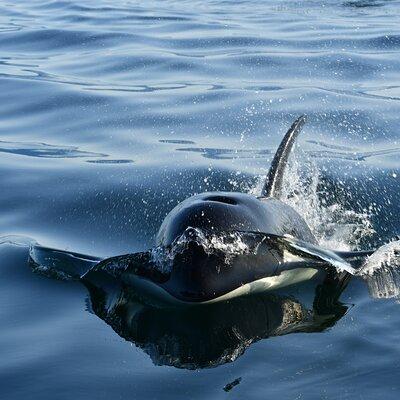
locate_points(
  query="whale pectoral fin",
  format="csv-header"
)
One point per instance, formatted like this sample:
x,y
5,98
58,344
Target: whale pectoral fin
x,y
59,264
273,183
316,253
355,258
304,253
140,264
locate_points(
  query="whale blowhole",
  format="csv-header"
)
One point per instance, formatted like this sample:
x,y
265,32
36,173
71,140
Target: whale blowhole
x,y
221,199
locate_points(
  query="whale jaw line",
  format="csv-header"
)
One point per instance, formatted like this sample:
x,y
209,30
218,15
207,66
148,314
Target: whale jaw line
x,y
154,294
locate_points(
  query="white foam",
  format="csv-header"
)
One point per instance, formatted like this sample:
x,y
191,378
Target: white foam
x,y
229,244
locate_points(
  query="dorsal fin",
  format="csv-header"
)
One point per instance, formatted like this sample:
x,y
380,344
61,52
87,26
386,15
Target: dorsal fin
x,y
273,183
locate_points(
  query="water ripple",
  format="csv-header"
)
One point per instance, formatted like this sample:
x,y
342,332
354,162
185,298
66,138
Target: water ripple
x,y
44,150
114,111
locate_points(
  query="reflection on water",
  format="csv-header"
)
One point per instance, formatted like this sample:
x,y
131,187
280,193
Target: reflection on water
x,y
212,335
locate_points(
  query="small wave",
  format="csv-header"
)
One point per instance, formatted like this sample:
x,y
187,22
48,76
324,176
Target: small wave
x,y
176,141
17,240
336,152
364,3
44,150
381,271
59,264
57,39
105,161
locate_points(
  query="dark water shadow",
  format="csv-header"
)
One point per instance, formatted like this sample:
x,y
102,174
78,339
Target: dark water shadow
x,y
208,336
105,161
365,3
43,150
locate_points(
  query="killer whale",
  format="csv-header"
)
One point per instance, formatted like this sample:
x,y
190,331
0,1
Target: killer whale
x,y
215,246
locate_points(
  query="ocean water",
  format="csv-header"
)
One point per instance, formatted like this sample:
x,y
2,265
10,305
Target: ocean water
x,y
114,111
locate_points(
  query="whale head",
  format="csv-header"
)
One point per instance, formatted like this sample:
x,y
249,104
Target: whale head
x,y
215,212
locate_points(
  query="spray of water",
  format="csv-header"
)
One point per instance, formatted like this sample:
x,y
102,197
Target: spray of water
x,y
337,227
333,225
229,245
381,271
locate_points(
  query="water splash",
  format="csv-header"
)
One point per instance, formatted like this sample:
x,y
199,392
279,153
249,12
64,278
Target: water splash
x,y
339,228
228,245
381,271
333,225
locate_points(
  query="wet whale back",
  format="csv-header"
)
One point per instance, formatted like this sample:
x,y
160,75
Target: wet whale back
x,y
225,212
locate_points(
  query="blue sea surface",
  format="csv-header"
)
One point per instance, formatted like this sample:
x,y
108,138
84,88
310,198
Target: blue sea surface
x,y
112,112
